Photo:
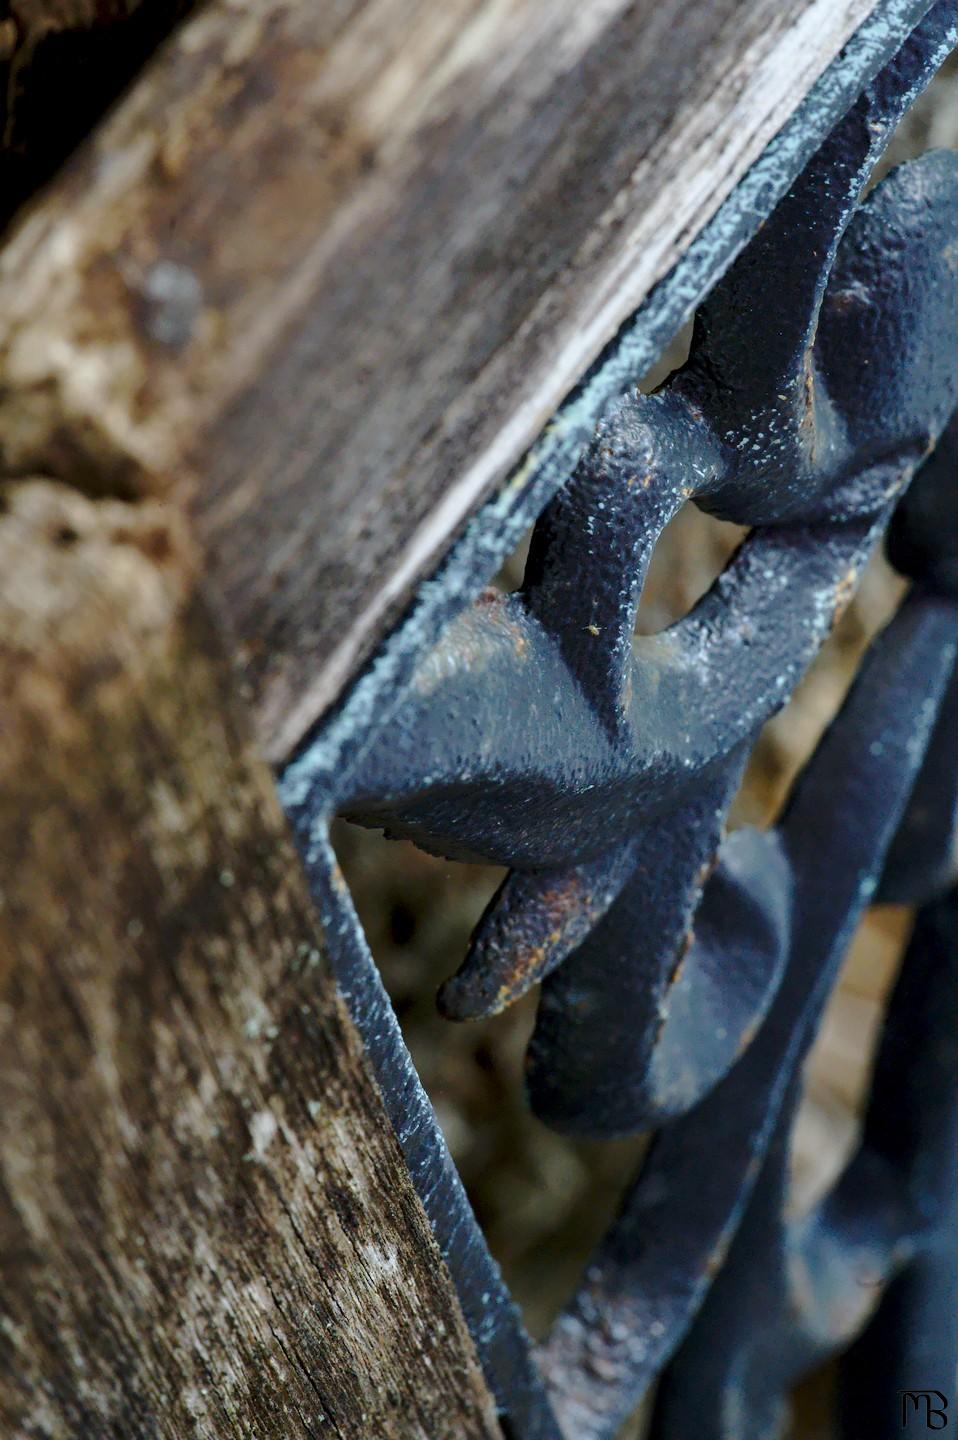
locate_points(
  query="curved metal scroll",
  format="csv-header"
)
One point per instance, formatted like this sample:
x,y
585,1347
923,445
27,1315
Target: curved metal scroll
x,y
684,971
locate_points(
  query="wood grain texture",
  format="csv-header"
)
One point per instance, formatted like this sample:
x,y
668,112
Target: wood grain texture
x,y
206,1227
333,267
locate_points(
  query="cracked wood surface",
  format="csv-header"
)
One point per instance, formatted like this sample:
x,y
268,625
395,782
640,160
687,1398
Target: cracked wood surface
x,y
333,267
206,1225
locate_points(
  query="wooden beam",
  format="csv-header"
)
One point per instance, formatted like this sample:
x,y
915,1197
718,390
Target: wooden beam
x,y
206,1226
331,268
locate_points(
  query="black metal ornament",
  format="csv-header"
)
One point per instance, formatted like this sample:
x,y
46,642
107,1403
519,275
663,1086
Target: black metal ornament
x,y
683,969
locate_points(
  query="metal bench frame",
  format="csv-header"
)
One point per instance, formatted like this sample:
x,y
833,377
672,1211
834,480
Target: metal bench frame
x,y
524,730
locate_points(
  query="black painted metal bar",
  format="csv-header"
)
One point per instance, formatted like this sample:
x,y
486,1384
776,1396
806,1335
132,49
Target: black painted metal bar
x,y
792,1293
912,1129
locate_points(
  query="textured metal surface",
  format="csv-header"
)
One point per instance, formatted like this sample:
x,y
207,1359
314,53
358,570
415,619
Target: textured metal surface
x,y
684,971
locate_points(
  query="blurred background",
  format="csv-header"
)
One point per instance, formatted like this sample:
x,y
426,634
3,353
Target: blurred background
x,y
542,1200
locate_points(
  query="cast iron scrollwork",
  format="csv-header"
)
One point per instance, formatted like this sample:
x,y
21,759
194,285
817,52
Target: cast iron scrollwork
x,y
683,969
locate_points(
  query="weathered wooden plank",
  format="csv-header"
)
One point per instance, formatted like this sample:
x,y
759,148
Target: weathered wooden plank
x,y
334,267
206,1226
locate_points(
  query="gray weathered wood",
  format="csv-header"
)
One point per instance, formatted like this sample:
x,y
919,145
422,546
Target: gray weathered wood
x,y
206,1226
332,267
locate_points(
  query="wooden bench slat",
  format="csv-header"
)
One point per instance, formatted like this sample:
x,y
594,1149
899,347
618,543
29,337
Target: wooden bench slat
x,y
208,1228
